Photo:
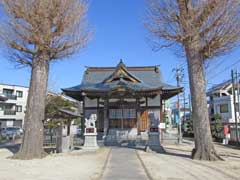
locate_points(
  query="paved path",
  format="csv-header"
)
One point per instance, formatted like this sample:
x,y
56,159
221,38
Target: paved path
x,y
123,164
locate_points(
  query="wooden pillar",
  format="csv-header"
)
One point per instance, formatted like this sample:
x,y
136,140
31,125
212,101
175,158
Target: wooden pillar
x,y
147,124
122,118
161,117
68,126
98,119
83,118
161,110
146,99
122,107
138,116
106,120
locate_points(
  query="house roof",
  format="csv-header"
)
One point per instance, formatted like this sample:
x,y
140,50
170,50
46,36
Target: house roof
x,y
122,78
69,113
219,87
225,86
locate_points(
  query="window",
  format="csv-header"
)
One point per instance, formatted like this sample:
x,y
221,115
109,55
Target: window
x,y
7,92
18,108
19,94
122,113
223,108
132,113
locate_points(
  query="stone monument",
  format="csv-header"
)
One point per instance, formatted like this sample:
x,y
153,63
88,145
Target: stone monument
x,y
90,133
154,134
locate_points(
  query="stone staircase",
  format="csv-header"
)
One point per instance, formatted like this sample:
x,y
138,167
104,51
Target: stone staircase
x,y
125,137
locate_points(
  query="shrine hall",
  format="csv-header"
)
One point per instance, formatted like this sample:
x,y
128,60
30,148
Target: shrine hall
x,y
123,97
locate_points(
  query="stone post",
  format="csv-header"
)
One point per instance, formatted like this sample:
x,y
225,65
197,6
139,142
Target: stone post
x,y
154,135
90,142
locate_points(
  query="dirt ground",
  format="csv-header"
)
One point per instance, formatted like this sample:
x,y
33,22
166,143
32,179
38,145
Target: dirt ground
x,y
68,166
79,165
177,165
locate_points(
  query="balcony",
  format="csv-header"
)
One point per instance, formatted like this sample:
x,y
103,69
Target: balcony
x,y
11,96
9,112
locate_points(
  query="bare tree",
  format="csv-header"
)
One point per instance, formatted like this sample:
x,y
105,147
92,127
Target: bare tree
x,y
38,32
204,29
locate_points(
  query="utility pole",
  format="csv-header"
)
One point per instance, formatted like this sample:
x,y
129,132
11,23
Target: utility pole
x,y
238,96
189,103
184,108
234,103
179,75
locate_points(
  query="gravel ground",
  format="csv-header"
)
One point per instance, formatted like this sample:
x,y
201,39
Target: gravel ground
x,y
177,165
77,165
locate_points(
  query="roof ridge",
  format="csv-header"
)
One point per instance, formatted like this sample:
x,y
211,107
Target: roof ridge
x,y
129,68
15,85
103,67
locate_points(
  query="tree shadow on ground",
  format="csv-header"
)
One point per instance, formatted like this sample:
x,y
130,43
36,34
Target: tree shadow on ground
x,y
12,148
179,153
166,151
236,147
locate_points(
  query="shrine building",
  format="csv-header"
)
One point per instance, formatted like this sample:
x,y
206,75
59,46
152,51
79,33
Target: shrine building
x,y
122,97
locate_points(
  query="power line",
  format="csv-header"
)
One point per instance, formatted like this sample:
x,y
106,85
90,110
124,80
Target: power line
x,y
216,66
226,68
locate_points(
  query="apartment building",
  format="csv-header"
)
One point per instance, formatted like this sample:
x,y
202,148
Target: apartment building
x,y
12,110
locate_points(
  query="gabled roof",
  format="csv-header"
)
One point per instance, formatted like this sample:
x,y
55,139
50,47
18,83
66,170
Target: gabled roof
x,y
121,73
224,86
122,78
219,87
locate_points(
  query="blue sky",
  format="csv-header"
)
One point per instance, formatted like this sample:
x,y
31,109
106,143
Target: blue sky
x,y
119,34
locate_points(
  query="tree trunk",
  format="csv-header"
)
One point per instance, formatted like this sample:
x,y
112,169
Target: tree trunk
x,y
32,145
204,148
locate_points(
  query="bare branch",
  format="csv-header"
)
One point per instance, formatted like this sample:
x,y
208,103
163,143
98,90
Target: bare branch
x,y
54,27
206,11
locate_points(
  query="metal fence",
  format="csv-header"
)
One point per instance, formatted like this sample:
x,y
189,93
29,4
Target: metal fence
x,y
50,138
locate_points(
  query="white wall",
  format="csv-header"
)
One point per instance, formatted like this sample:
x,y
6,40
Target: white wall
x,y
228,116
20,101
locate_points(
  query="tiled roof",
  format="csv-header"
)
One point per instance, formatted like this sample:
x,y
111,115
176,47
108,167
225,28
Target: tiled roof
x,y
94,79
